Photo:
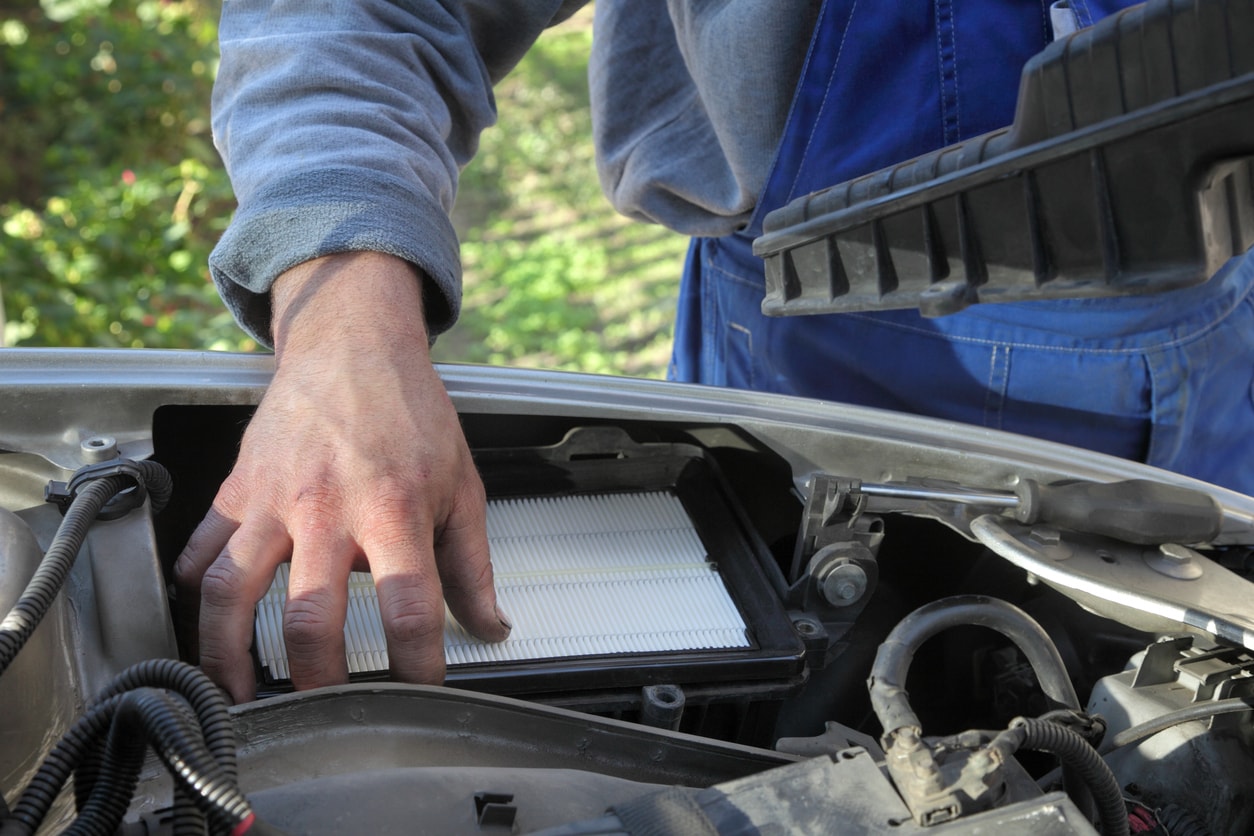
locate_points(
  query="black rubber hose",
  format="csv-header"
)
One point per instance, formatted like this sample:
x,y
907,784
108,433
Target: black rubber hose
x,y
152,716
86,771
158,483
210,707
1200,711
186,819
892,662
1079,757
110,762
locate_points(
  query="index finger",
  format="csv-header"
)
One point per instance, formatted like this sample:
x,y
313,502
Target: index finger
x,y
202,549
229,592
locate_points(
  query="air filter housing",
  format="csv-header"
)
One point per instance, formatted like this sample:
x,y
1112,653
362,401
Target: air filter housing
x,y
621,565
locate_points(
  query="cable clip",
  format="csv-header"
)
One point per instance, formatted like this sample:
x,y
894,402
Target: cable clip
x,y
62,494
1092,727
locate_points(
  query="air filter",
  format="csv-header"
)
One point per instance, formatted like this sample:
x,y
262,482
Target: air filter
x,y
618,569
579,576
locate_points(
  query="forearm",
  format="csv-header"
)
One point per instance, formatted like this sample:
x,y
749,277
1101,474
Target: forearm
x,y
349,301
343,129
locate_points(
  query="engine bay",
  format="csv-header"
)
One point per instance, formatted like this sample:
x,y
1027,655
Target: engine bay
x,y
734,612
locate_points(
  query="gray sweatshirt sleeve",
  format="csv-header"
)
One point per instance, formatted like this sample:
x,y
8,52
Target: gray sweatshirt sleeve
x,y
343,124
689,100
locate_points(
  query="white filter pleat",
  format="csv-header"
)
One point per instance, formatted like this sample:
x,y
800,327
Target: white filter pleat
x,y
579,576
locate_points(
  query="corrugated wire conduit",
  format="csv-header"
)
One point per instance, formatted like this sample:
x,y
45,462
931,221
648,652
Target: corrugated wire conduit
x,y
163,703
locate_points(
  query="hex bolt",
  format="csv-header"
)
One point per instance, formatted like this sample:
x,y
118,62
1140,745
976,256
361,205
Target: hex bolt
x,y
842,583
1048,541
1177,553
1175,561
1045,535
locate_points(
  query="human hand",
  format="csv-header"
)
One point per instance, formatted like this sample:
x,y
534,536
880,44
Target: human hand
x,y
354,459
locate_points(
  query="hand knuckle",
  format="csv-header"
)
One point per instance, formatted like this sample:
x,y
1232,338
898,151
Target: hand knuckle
x,y
213,662
315,510
187,570
223,583
233,493
395,513
393,521
309,625
398,486
415,619
473,576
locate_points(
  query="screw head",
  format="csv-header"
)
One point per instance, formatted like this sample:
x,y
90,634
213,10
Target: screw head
x,y
842,583
1175,561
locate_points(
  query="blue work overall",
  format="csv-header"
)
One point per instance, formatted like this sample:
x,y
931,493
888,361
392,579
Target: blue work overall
x,y
1164,378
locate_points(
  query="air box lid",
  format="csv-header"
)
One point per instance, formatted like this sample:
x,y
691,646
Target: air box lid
x,y
1127,171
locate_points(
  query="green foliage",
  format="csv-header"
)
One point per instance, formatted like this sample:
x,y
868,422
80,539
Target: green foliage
x,y
553,277
111,198
536,304
111,195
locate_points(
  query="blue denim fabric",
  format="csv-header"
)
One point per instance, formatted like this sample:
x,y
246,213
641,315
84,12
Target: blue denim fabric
x,y
1165,378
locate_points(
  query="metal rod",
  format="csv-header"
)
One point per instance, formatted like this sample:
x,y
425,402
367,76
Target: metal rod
x,y
961,497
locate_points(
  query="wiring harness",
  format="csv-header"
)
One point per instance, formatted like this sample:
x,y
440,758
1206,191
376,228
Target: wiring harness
x,y
162,704
942,780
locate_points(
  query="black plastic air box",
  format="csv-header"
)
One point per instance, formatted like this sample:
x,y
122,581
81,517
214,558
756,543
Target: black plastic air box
x,y
1127,170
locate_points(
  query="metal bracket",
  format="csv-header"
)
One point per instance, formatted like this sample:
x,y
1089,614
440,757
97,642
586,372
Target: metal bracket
x,y
834,569
1157,589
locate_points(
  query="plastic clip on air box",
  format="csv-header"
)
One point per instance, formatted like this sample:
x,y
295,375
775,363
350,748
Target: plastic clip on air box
x,y
1127,170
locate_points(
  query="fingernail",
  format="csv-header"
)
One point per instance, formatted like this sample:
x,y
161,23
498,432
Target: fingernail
x,y
503,618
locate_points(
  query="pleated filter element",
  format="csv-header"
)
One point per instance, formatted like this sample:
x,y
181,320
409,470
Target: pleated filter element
x,y
579,576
